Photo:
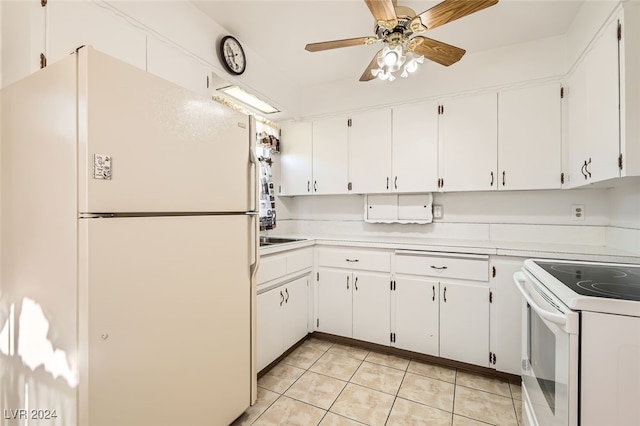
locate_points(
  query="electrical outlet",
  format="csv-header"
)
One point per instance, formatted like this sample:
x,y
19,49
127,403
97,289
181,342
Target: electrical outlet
x,y
437,211
577,212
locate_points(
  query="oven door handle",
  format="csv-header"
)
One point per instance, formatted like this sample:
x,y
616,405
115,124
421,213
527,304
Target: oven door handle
x,y
519,278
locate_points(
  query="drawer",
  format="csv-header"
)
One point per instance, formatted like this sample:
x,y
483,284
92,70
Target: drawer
x,y
272,267
368,260
463,268
299,259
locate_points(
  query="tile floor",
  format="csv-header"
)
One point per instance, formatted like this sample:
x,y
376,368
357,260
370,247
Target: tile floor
x,y
325,383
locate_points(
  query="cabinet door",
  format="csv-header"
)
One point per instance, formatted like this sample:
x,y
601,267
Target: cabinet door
x,y
371,307
294,322
330,156
603,111
74,24
296,158
594,133
23,30
269,326
334,302
416,315
506,316
415,148
171,64
529,138
370,152
464,322
468,134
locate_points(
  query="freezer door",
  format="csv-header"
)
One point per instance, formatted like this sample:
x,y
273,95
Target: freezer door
x,y
165,320
147,145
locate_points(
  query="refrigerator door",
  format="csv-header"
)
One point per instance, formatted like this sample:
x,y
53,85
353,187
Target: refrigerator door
x,y
147,145
164,320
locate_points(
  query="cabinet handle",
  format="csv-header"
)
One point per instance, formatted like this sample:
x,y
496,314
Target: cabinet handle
x,y
315,182
351,260
503,173
587,164
281,297
387,182
439,268
355,283
395,182
347,282
444,295
308,186
582,169
286,290
491,178
434,293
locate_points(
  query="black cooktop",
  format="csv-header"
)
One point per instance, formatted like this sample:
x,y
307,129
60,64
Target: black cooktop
x,y
610,281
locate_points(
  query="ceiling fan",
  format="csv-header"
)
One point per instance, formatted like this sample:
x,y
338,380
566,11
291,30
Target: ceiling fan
x,y
397,26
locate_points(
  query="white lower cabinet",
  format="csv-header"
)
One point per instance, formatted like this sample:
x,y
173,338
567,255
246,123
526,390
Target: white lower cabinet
x,y
506,315
282,319
417,313
354,304
371,307
441,305
282,302
354,293
464,322
335,302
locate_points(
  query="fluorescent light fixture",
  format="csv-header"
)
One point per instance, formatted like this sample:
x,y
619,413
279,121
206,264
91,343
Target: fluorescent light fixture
x,y
248,99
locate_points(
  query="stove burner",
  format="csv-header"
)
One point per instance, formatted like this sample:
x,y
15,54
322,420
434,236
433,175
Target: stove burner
x,y
629,291
584,269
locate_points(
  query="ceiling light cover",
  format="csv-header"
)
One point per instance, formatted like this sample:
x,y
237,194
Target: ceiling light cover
x,y
248,99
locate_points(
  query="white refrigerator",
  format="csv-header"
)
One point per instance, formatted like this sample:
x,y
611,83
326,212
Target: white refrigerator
x,y
129,250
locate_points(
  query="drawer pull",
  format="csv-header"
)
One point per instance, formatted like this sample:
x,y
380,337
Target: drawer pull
x,y
351,260
439,268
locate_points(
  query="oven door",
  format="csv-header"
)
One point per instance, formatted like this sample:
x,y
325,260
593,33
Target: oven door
x,y
549,356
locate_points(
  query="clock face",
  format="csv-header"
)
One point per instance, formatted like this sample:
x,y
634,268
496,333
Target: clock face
x,y
232,55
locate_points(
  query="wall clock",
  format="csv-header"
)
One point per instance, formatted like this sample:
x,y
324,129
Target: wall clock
x,y
232,55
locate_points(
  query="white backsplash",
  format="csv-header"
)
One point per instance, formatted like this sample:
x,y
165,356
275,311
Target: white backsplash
x,y
612,217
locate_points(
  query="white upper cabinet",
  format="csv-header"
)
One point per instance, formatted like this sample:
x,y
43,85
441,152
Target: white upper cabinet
x,y
370,151
71,24
330,156
630,88
594,118
468,136
176,66
23,36
530,138
296,157
415,148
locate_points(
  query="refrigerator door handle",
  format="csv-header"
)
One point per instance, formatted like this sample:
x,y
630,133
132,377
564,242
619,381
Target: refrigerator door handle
x,y
253,158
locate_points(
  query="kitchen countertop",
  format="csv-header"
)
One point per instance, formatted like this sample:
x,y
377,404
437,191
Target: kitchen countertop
x,y
500,248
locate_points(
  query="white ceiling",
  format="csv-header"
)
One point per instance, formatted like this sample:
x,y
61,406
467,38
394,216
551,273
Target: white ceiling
x,y
279,30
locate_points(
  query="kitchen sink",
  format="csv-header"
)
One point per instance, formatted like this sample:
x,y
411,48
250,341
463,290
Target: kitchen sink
x,y
269,241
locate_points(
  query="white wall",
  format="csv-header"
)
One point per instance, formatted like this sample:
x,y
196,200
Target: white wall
x,y
624,214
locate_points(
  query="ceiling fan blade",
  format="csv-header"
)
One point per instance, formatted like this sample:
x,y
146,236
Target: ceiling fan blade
x,y
384,13
366,75
335,44
437,51
450,10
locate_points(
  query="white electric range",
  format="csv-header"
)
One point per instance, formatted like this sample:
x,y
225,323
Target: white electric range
x,y
581,343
